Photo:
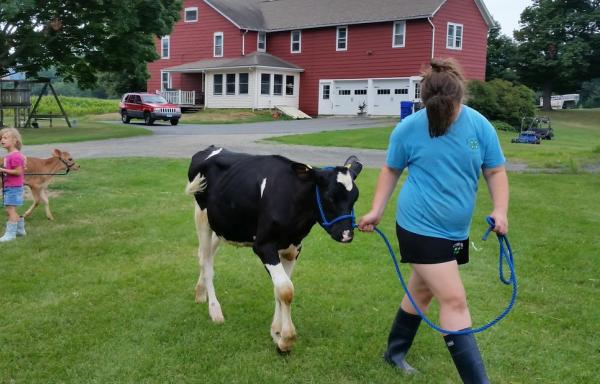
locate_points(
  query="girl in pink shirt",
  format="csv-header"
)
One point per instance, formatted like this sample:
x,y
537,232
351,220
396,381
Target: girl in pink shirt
x,y
13,177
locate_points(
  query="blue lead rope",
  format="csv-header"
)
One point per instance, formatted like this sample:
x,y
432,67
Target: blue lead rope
x,y
504,256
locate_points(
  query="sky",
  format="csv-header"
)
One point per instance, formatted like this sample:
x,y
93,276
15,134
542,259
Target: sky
x,y
507,13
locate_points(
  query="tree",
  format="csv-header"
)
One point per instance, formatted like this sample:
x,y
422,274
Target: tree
x,y
81,39
557,44
501,56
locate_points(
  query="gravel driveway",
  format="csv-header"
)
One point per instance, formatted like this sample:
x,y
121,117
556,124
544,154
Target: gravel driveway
x,y
184,140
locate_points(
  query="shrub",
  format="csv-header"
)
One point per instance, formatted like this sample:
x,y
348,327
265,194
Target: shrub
x,y
501,100
502,126
590,93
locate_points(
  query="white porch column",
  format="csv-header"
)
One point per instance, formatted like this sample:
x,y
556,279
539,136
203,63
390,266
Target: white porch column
x,y
370,97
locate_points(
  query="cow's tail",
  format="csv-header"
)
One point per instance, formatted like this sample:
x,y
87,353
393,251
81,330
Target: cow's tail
x,y
198,185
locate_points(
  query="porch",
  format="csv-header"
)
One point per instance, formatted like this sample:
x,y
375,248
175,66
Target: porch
x,y
188,101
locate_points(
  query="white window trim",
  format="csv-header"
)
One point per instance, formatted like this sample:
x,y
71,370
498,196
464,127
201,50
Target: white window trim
x,y
258,42
337,38
168,39
215,44
185,14
394,45
162,83
462,33
299,41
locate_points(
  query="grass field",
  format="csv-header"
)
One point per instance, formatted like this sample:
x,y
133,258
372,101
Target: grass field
x,y
575,148
105,293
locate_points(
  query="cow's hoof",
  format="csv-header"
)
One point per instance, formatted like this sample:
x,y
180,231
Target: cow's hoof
x,y
276,336
285,344
214,310
283,353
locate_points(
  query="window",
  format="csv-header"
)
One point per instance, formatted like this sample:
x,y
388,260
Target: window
x,y
243,84
165,81
326,89
218,44
401,91
278,85
230,83
342,39
218,85
296,42
398,35
383,92
455,36
417,90
360,91
261,42
191,14
265,84
289,85
165,47
344,92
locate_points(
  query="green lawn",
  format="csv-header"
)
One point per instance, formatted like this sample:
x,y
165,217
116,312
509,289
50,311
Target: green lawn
x,y
576,146
83,129
105,293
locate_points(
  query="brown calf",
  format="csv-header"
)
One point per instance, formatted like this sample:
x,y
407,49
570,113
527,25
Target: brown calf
x,y
39,174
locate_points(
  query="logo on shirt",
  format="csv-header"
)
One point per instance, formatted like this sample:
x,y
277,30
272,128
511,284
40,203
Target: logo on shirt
x,y
473,143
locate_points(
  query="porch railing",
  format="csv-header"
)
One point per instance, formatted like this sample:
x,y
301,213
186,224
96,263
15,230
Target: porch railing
x,y
179,97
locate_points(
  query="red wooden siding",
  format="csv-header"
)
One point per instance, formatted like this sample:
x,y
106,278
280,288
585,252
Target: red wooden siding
x,y
370,54
194,42
472,57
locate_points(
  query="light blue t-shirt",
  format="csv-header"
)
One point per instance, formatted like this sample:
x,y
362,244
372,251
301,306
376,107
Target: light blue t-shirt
x,y
438,196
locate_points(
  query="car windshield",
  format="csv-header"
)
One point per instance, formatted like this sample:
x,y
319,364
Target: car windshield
x,y
154,99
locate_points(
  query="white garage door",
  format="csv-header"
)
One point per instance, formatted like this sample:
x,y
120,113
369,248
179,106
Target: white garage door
x,y
388,95
349,94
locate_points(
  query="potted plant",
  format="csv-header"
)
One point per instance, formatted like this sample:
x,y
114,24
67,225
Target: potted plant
x,y
361,109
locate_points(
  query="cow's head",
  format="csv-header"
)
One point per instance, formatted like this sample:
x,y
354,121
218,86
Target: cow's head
x,y
66,158
335,195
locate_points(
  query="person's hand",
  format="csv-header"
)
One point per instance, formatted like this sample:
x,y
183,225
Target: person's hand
x,y
368,222
501,221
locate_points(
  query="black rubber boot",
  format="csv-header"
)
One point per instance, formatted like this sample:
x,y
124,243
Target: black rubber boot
x,y
467,358
401,336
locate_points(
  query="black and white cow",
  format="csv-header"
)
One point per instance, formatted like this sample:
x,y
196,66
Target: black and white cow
x,y
268,203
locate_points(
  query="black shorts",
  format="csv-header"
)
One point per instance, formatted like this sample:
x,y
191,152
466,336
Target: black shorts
x,y
419,249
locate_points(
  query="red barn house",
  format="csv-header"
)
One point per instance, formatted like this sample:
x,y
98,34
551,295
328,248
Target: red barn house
x,y
324,57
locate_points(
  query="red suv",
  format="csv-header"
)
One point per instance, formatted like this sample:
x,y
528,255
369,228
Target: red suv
x,y
149,107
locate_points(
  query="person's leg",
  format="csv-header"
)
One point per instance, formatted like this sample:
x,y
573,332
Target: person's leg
x,y
11,224
445,283
406,324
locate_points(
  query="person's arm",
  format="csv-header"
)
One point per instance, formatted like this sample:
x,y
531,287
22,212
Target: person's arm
x,y
497,182
388,178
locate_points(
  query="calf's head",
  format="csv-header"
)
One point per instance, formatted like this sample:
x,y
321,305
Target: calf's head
x,y
66,158
335,195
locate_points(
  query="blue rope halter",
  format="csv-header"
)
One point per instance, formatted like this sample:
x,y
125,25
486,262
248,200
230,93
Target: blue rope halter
x,y
504,256
326,224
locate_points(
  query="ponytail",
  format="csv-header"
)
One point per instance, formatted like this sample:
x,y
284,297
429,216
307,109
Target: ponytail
x,y
442,90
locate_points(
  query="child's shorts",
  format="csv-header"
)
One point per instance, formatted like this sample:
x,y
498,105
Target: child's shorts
x,y
13,196
419,249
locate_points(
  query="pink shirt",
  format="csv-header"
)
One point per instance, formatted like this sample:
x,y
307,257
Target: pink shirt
x,y
11,161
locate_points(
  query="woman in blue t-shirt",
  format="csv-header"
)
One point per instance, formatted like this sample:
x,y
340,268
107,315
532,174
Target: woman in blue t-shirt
x,y
445,147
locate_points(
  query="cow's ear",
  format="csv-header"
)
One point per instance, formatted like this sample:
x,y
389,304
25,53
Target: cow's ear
x,y
57,153
354,165
303,171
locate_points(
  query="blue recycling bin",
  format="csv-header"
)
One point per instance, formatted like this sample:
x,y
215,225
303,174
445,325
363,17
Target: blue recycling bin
x,y
406,108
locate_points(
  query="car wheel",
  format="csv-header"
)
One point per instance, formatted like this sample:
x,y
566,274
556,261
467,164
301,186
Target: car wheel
x,y
148,120
124,118
174,121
